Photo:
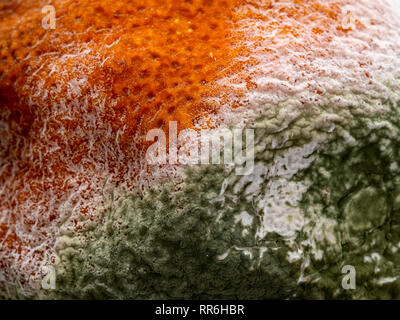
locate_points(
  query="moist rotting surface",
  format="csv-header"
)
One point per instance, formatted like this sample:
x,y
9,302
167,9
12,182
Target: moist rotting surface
x,y
285,232
76,102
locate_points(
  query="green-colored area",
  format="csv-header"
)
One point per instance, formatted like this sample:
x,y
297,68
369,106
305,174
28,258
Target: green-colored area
x,y
172,242
163,245
359,188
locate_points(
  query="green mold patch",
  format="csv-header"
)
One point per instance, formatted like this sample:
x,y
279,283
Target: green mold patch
x,y
180,245
358,188
365,210
327,182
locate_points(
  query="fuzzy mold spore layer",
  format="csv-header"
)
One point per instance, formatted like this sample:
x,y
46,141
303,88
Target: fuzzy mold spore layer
x,y
313,78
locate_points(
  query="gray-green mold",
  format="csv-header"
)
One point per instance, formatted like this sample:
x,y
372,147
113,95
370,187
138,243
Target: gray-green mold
x,y
325,193
163,245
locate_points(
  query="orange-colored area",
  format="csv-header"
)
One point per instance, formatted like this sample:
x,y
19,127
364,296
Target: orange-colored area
x,y
76,101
